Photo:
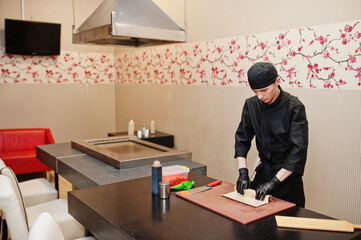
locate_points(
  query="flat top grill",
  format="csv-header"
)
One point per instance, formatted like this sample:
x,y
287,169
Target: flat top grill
x,y
128,151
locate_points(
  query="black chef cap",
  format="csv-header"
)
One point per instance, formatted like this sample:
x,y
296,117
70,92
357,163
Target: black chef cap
x,y
261,75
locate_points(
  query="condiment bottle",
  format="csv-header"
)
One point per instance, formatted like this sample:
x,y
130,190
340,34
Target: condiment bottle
x,y
139,134
146,133
156,176
152,127
131,128
143,129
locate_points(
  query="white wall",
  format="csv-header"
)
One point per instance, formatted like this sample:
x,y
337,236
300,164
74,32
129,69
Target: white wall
x,y
213,19
71,111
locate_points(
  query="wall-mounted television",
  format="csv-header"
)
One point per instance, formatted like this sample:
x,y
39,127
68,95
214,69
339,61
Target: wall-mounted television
x,y
32,38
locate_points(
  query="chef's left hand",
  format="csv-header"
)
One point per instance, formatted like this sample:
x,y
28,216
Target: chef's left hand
x,y
267,187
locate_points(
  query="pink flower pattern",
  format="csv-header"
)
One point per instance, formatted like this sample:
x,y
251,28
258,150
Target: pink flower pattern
x,y
305,58
69,67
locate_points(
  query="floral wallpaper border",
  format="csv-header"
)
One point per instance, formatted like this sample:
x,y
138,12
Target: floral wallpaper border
x,y
326,56
69,67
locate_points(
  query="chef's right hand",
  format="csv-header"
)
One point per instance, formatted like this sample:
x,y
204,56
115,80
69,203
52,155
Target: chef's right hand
x,y
243,180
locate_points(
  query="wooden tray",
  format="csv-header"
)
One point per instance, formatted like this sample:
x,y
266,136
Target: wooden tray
x,y
240,212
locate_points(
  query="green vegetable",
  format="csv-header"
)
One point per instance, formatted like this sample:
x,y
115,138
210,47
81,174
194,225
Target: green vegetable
x,y
185,185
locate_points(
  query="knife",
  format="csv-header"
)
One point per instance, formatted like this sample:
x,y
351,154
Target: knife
x,y
201,189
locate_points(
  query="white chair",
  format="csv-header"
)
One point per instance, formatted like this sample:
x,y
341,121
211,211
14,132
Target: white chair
x,y
57,208
46,228
9,204
36,190
33,191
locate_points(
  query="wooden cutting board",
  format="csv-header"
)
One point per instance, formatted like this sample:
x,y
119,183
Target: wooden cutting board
x,y
316,224
213,200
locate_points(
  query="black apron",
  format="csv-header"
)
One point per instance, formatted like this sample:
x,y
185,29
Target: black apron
x,y
291,189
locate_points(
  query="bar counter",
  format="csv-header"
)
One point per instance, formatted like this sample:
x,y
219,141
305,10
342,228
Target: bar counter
x,y
127,210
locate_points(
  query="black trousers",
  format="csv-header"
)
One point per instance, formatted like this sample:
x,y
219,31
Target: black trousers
x,y
291,189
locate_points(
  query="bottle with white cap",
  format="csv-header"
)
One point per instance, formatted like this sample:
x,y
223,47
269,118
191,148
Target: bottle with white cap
x,y
156,176
152,127
131,127
146,133
143,129
139,134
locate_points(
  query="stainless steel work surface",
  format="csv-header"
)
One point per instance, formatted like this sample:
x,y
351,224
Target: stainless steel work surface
x,y
85,171
128,151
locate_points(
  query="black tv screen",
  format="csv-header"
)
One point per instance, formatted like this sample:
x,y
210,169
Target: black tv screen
x,y
32,38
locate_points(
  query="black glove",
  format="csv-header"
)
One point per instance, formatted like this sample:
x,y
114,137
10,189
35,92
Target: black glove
x,y
243,180
267,187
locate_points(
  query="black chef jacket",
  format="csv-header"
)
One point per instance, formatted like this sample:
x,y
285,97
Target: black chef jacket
x,y
281,131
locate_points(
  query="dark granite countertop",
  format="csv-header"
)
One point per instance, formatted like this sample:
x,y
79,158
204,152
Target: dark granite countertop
x,y
127,210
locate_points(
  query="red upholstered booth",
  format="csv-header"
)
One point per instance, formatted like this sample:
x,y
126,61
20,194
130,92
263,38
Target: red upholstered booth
x,y
17,148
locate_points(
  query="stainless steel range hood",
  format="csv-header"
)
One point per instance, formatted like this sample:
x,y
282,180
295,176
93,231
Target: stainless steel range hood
x,y
128,23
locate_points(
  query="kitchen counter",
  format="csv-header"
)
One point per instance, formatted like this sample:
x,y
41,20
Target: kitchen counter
x,y
127,210
84,171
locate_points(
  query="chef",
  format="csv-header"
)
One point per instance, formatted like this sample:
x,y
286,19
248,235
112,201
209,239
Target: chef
x,y
278,121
